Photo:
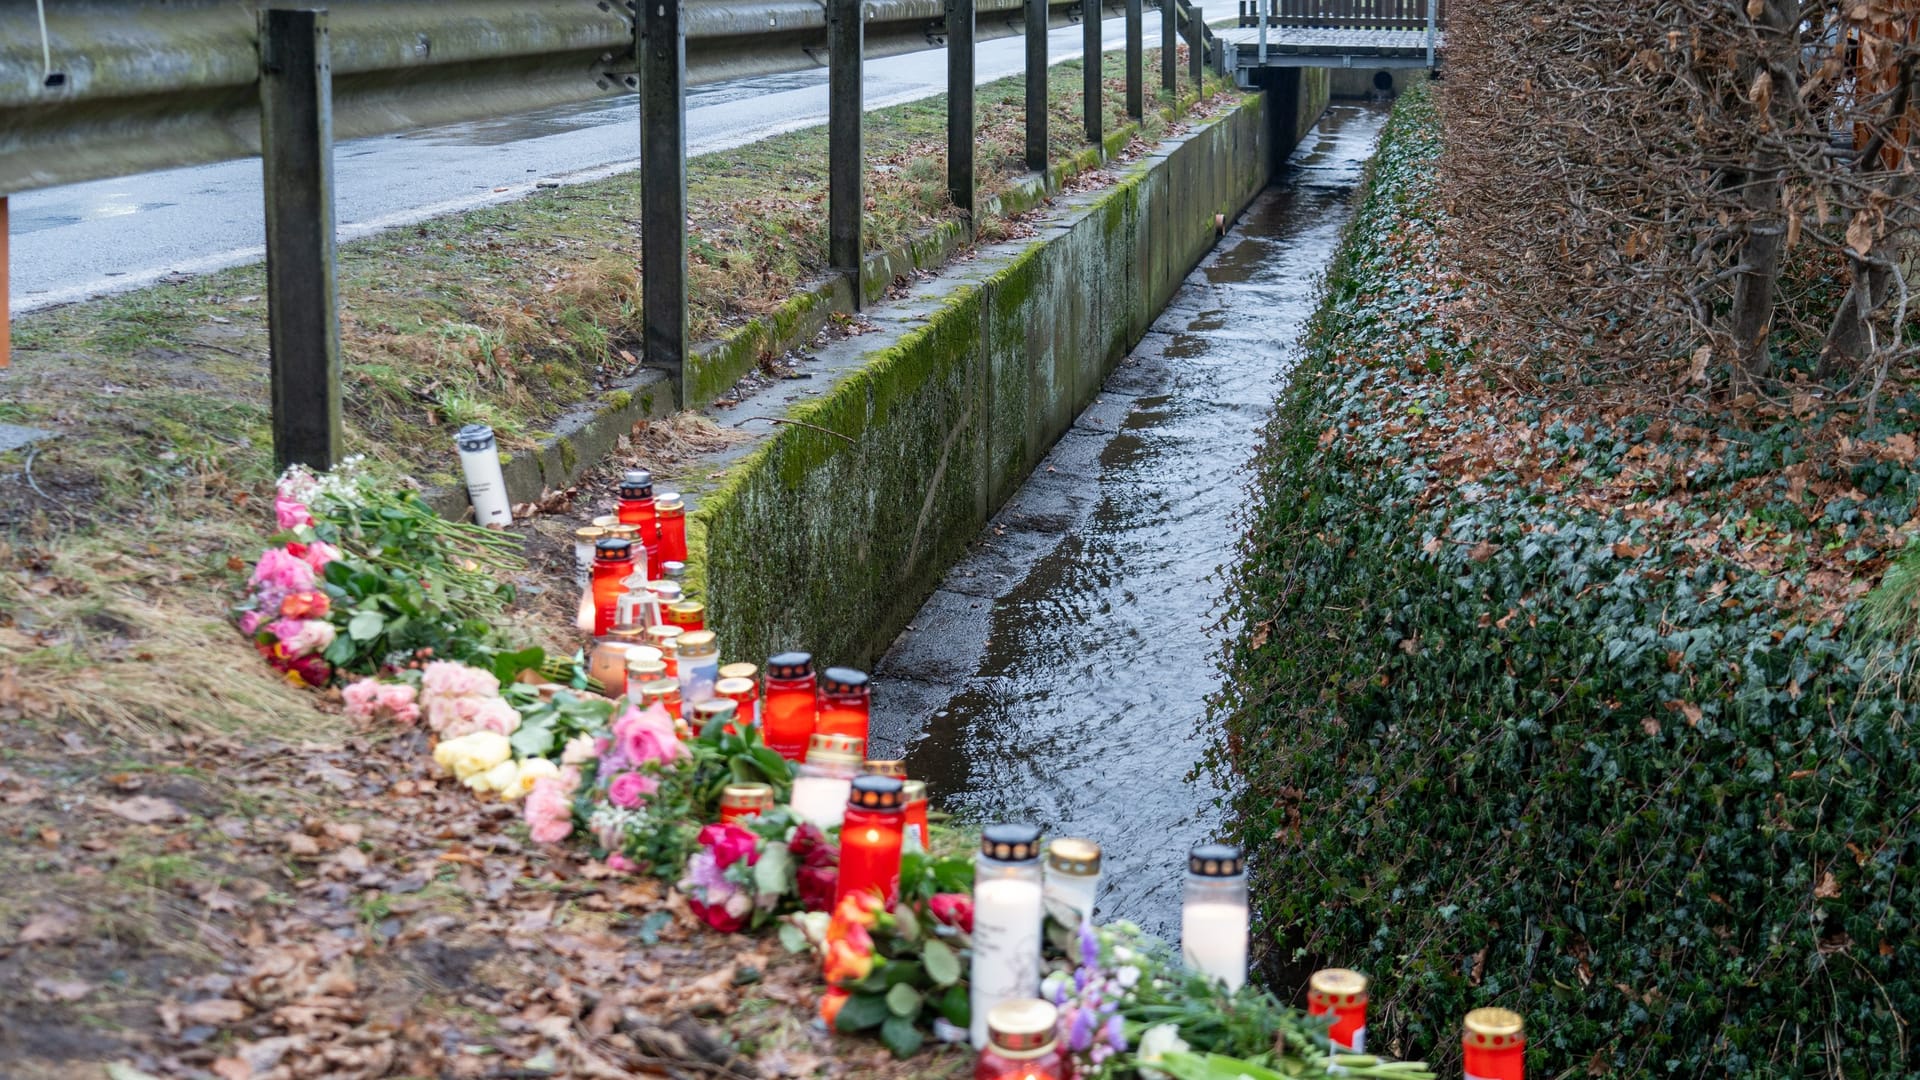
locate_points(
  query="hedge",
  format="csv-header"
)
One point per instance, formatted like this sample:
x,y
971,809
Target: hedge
x,y
1501,734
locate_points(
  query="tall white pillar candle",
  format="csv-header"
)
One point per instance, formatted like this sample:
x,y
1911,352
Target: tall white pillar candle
x,y
1008,909
480,461
1213,917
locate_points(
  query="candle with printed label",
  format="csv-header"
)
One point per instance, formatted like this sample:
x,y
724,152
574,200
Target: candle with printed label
x,y
1073,879
1341,995
1007,915
822,782
486,487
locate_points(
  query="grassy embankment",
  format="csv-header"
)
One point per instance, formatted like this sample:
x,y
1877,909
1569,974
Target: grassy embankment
x,y
1587,708
184,832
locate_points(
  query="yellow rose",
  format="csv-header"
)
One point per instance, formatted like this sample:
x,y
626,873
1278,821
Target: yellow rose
x,y
472,754
499,779
531,770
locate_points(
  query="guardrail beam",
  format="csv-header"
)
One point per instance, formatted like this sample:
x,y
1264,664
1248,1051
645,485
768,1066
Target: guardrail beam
x,y
960,121
845,147
661,45
303,327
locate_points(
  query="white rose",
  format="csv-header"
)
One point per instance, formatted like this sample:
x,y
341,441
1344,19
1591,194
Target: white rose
x,y
1155,1043
531,770
472,753
497,780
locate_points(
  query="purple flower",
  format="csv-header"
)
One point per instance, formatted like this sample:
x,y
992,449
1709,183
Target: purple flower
x,y
1081,1037
1089,945
1116,1035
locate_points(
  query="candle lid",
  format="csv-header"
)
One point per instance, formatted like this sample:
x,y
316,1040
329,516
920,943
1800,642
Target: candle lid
x,y
836,749
659,690
696,643
588,533
732,688
1215,860
685,608
636,484
706,712
1493,1028
1336,987
1023,1027
612,549
607,521
1074,856
474,437
885,767
738,671
842,680
643,670
663,637
876,793
623,531
643,654
674,569
1010,842
665,591
626,633
746,796
668,502
914,790
790,665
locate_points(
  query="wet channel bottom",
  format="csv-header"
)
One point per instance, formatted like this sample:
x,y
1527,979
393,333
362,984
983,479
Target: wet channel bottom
x,y
1060,673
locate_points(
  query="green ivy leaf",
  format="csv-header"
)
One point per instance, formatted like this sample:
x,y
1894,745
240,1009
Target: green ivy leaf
x,y
900,1036
904,1001
943,967
862,1012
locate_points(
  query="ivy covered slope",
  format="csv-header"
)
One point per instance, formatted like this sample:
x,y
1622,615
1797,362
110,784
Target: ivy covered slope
x,y
1571,708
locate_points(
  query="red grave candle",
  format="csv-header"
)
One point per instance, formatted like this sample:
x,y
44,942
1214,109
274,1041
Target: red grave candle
x,y
1021,1043
916,795
612,562
871,838
636,501
1342,995
845,698
1495,1045
670,514
787,718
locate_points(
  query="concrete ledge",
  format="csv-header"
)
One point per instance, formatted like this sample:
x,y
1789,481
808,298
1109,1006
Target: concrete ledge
x,y
827,533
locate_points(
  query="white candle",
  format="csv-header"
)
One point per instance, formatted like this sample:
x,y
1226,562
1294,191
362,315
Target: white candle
x,y
821,799
1007,914
480,461
1213,941
1073,895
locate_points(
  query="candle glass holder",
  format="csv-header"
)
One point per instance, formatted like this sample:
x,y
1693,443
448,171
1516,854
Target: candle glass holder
x,y
824,781
671,513
584,538
667,640
1494,1045
696,656
845,700
1072,879
1022,1043
1340,995
662,692
745,697
738,802
636,500
871,838
1008,911
788,712
917,834
702,714
688,615
1213,918
612,562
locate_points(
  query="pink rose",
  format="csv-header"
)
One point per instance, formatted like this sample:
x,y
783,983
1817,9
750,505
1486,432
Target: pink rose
x,y
319,554
953,909
450,678
629,788
647,736
617,861
362,698
816,886
549,811
398,700
579,750
494,714
311,636
730,844
250,622
284,630
283,571
290,512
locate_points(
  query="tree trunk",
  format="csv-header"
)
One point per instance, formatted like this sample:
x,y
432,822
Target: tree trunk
x,y
1761,253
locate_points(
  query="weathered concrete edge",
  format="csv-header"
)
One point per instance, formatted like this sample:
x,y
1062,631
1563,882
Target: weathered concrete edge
x,y
588,431
832,545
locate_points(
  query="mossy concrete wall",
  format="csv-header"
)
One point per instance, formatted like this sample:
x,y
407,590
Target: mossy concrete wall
x,y
828,534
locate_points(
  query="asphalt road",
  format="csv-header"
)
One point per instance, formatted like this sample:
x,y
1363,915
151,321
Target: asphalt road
x,y
83,240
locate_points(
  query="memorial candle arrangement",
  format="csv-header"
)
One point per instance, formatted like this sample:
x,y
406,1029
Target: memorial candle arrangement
x,y
1008,913
1213,918
1494,1044
1341,995
788,710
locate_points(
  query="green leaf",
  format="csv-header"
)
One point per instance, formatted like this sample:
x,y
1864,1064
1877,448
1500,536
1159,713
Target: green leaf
x,y
956,1005
904,1001
793,938
900,1036
339,652
366,625
508,666
774,872
650,927
943,967
533,738
862,1012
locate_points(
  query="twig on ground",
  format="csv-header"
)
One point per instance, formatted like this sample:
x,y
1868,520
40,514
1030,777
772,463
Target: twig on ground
x,y
798,423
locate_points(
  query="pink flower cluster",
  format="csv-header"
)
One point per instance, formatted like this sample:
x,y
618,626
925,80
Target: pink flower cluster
x,y
287,617
371,699
713,893
549,806
640,738
460,700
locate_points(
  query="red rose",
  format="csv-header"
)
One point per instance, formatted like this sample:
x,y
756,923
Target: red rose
x,y
816,886
717,916
954,909
810,847
730,844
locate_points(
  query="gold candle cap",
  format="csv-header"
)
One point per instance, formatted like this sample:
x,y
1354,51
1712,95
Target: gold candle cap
x,y
623,532
626,633
731,688
661,690
1074,856
739,671
663,637
915,791
1493,1028
691,610
588,534
606,521
640,654
747,796
641,672
1022,1028
702,713
696,643
885,767
1337,987
836,749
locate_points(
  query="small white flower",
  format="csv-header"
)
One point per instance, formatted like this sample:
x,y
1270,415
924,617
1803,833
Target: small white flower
x,y
1155,1043
1128,977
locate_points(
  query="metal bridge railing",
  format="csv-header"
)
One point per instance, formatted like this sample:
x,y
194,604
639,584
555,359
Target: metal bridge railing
x,y
1346,14
117,87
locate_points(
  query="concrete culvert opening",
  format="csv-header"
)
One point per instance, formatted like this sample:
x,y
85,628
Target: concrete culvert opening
x,y
1383,80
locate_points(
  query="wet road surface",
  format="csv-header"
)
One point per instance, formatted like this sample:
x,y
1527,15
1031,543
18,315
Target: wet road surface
x,y
1060,673
102,236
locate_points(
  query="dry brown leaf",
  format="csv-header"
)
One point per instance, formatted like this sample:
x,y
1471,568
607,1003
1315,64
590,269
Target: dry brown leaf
x,y
1828,888
1483,551
213,1011
144,809
63,989
55,925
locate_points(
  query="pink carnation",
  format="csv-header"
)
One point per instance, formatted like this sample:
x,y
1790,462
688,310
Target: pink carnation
x,y
549,807
290,512
641,737
320,553
250,622
629,788
398,700
362,698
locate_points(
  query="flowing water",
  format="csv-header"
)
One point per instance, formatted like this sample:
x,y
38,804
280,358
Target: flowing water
x,y
1060,673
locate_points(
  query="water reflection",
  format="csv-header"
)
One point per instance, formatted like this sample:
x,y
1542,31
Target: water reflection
x,y
1060,673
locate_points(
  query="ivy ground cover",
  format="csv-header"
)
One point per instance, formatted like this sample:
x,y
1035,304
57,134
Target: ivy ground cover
x,y
1592,709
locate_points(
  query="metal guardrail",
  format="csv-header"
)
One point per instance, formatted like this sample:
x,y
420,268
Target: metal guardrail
x,y
117,87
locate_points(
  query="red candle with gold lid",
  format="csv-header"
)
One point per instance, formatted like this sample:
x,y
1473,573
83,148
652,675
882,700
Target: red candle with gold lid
x,y
871,838
787,715
688,615
1022,1043
612,562
1342,995
744,696
1494,1043
670,512
741,801
845,699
